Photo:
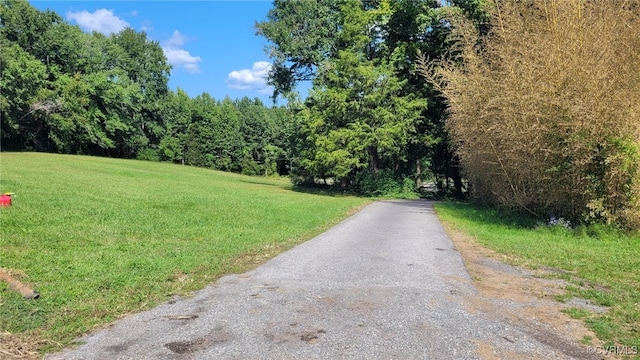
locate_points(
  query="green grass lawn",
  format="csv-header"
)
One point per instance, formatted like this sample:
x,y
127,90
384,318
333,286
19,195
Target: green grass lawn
x,y
99,238
602,264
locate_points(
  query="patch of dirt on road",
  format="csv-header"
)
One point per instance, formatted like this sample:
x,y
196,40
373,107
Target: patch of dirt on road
x,y
522,297
185,347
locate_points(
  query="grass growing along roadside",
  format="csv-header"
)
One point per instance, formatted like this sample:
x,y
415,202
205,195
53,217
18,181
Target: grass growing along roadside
x,y
99,238
602,264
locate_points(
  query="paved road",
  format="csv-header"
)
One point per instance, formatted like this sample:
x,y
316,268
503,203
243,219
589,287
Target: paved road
x,y
384,284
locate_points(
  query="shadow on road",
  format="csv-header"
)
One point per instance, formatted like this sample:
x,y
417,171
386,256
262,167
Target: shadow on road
x,y
490,216
418,204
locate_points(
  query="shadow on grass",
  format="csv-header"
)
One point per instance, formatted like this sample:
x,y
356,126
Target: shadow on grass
x,y
264,181
324,190
486,215
319,189
511,219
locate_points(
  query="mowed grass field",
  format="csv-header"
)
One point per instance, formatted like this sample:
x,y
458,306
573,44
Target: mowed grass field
x,y
600,264
101,238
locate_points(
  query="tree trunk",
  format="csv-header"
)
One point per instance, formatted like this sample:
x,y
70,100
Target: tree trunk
x,y
418,173
374,165
457,182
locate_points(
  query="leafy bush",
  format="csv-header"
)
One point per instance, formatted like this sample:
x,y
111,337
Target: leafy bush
x,y
384,184
148,154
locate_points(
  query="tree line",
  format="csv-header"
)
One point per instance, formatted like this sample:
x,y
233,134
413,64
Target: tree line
x,y
529,105
371,124
67,91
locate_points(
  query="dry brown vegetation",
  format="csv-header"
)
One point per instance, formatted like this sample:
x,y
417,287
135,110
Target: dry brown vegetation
x,y
545,110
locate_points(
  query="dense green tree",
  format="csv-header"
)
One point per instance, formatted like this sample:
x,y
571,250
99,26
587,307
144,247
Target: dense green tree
x,y
96,115
214,138
477,11
265,135
254,125
200,137
145,62
28,27
146,65
176,113
78,126
63,48
303,34
98,94
69,50
280,134
417,27
228,142
21,79
358,120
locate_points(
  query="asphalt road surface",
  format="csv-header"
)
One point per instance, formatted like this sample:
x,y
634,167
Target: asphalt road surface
x,y
387,283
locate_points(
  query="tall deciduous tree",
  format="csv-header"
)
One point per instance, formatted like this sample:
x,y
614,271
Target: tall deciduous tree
x,y
29,28
228,142
264,133
414,28
176,113
303,35
21,79
145,64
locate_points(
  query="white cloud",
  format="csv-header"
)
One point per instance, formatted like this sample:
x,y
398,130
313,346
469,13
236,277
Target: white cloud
x,y
101,20
177,39
182,58
179,57
251,79
146,26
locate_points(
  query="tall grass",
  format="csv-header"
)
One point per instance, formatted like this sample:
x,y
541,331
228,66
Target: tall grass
x,y
100,238
543,109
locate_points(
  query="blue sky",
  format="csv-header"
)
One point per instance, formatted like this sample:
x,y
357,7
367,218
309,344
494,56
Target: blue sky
x,y
211,44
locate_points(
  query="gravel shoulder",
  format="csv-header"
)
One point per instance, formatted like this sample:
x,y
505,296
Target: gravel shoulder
x,y
524,298
386,283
